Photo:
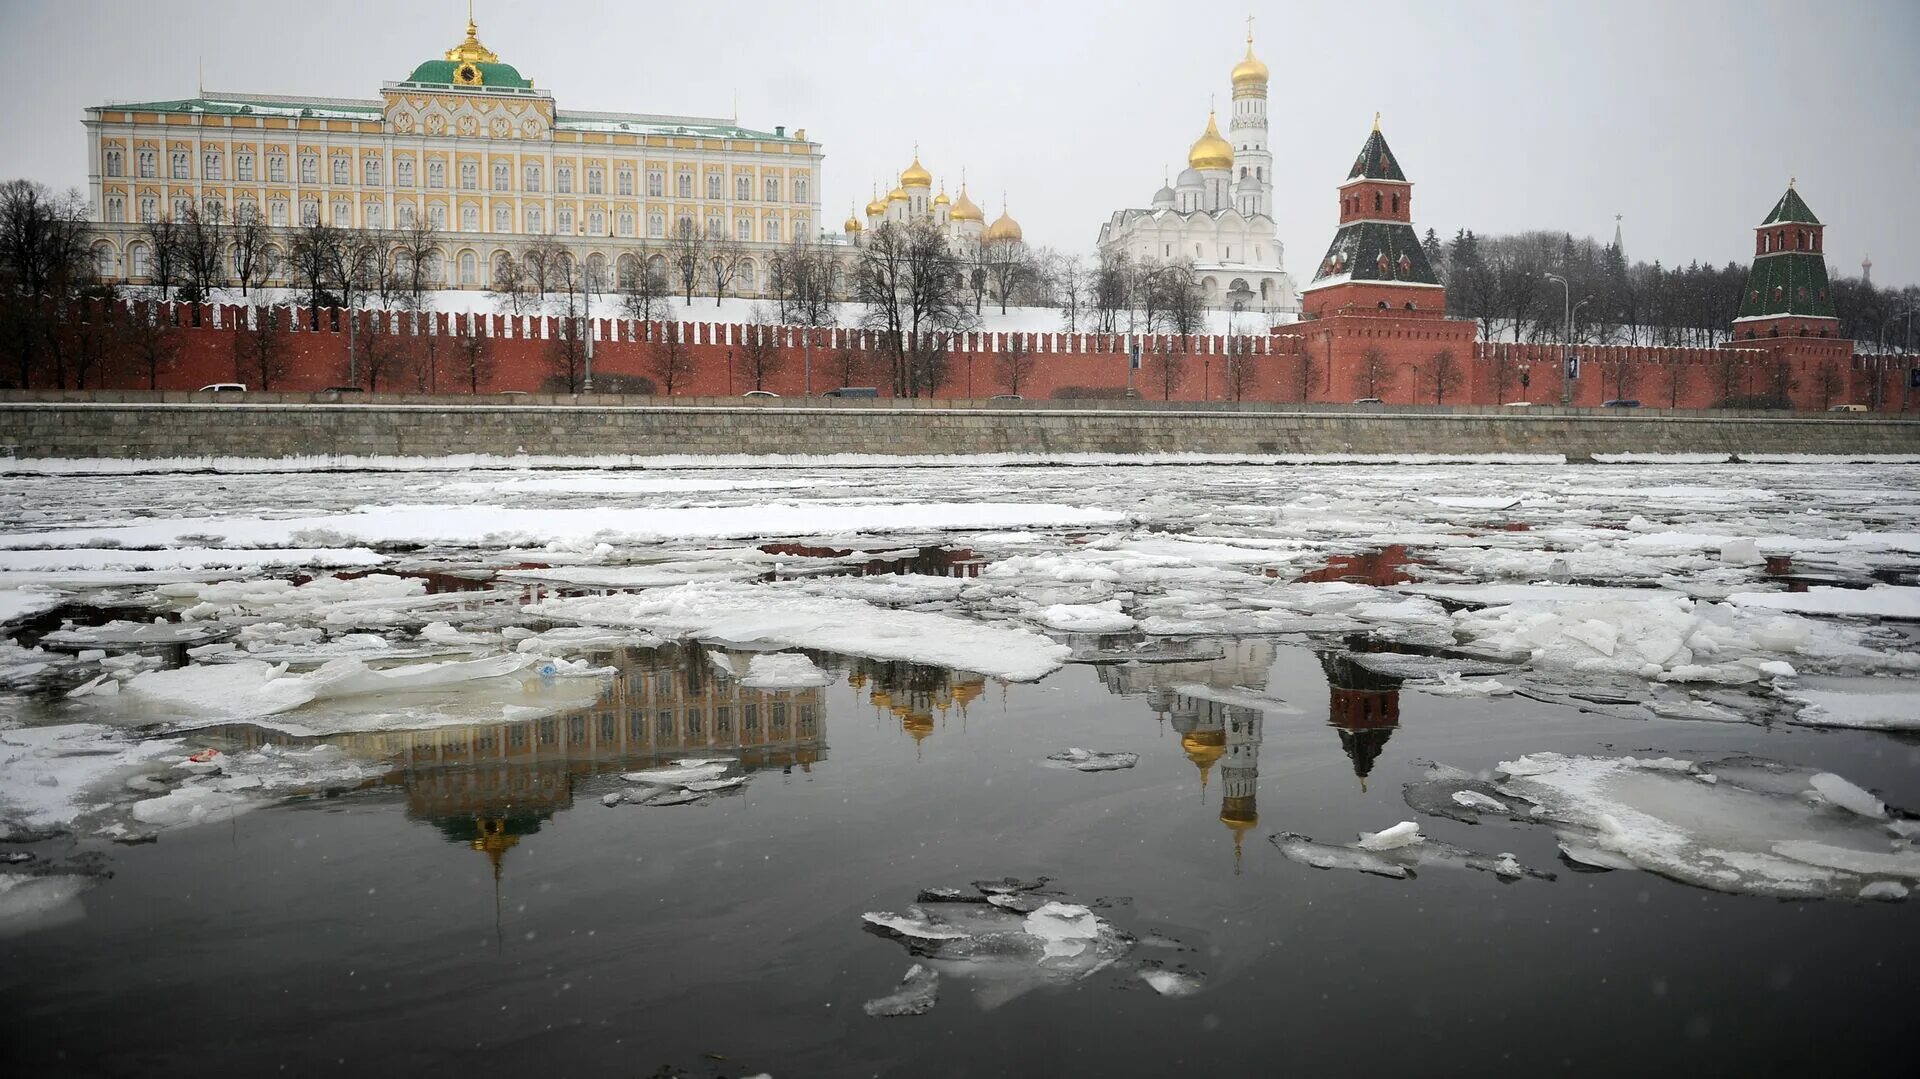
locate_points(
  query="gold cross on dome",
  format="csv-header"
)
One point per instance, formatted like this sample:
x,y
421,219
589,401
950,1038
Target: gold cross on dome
x,y
1249,31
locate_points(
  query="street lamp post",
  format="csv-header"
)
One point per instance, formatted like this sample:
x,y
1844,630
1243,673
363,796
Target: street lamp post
x,y
1526,379
1566,337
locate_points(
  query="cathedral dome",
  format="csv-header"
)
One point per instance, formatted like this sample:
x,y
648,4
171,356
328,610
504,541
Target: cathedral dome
x,y
965,210
1163,198
1210,151
1249,73
915,176
1190,178
852,225
877,208
898,194
470,64
1004,227
941,199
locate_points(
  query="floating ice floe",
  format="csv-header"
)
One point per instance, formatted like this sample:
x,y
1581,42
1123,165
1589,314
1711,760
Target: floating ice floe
x,y
21,603
919,991
1866,703
1452,685
1010,937
251,688
684,782
784,670
1086,618
1088,760
1741,825
777,614
1400,857
1880,601
32,901
100,559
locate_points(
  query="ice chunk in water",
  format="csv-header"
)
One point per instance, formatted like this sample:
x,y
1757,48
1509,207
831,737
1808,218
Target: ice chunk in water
x,y
919,991
1173,983
1885,890
784,670
1750,833
1304,850
1088,760
1476,800
1400,835
1847,796
684,773
1065,929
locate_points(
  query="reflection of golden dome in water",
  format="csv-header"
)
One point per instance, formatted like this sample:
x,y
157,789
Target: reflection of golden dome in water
x,y
858,679
494,839
943,698
1204,748
917,724
1240,816
969,691
881,699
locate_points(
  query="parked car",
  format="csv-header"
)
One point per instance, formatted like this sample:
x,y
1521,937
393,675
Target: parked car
x,y
345,389
511,393
759,393
1367,401
1519,404
852,391
1620,402
223,387
1006,397
1848,408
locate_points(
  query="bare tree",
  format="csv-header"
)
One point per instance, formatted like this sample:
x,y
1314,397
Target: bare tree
x,y
507,283
254,254
472,354
687,256
202,233
669,358
761,350
1015,363
1830,382
1625,377
904,276
311,256
1447,375
1070,284
1304,371
151,340
1677,376
1109,290
44,268
1177,300
260,348
383,352
1240,374
726,258
1009,266
1167,367
645,293
1375,373
850,364
567,349
800,279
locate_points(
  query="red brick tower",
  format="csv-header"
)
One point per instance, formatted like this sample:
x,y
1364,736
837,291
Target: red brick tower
x,y
1375,260
1787,291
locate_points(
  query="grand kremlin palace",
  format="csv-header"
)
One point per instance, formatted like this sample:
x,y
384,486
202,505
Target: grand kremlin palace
x,y
466,145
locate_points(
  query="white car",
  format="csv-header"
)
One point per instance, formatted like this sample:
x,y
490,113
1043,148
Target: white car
x,y
1519,404
223,387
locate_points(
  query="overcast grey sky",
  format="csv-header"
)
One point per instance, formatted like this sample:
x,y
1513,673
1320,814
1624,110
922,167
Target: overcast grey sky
x,y
1688,116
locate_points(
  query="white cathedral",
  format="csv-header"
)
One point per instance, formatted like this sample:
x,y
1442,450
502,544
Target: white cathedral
x,y
1219,213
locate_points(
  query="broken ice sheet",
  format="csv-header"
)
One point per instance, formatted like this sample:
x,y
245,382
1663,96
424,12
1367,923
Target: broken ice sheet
x,y
1089,760
1399,861
1019,940
919,991
1741,825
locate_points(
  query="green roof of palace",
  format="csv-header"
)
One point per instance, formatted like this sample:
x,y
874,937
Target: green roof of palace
x,y
228,105
442,72
1376,162
1791,209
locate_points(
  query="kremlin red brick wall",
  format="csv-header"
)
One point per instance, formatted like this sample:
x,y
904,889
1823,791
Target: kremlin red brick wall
x,y
1333,351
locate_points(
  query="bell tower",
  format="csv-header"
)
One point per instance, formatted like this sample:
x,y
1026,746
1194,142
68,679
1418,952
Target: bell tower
x,y
1252,159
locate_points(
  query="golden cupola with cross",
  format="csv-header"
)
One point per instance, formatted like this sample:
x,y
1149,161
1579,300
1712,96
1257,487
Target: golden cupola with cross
x,y
470,64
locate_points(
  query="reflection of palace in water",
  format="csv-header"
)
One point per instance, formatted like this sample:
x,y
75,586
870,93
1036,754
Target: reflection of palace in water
x,y
487,784
1196,696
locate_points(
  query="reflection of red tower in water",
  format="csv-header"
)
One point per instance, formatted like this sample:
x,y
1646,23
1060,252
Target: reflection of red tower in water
x,y
1379,568
1362,707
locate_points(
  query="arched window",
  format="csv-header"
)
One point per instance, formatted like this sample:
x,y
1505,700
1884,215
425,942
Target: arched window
x,y
800,189
470,218
137,260
772,184
103,259
743,187
1396,203
503,219
469,268
1376,202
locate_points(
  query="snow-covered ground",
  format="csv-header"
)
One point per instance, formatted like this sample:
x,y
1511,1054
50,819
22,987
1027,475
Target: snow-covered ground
x,y
457,594
734,309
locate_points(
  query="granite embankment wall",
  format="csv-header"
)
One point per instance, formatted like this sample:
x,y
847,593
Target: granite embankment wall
x,y
155,430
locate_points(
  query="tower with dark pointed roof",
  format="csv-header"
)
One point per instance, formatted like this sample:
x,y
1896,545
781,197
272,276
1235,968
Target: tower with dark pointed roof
x,y
1375,260
1787,293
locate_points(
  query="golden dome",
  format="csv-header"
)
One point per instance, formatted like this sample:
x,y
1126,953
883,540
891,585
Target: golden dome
x,y
877,208
852,225
915,176
898,194
1250,72
1004,227
1211,151
471,51
965,210
941,199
